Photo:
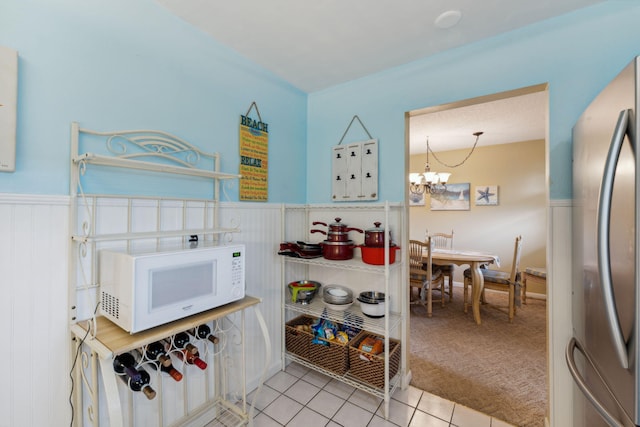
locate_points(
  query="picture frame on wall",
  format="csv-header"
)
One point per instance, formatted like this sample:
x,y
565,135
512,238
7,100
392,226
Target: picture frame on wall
x,y
455,198
416,199
486,195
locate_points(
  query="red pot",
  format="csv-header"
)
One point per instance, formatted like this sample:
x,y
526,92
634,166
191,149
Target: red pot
x,y
337,227
375,236
337,251
375,255
334,236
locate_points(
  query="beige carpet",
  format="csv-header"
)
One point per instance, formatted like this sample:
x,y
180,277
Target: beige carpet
x,y
498,368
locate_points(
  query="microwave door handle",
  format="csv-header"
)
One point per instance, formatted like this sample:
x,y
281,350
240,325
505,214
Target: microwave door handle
x,y
603,221
582,385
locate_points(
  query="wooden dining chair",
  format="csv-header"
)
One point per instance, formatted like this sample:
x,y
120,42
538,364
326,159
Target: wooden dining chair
x,y
444,241
500,281
423,277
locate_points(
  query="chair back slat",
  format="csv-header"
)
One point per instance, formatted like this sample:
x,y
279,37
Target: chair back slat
x,y
418,253
421,275
441,240
420,261
515,267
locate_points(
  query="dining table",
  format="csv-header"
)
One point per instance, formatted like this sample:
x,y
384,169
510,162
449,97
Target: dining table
x,y
474,259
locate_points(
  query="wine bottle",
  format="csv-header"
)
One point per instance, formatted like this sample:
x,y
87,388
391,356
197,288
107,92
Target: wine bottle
x,y
124,364
184,354
190,357
168,369
181,341
203,332
142,385
155,352
143,379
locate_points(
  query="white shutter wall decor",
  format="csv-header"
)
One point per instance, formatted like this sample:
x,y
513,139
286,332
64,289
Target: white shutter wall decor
x,y
339,172
355,169
370,169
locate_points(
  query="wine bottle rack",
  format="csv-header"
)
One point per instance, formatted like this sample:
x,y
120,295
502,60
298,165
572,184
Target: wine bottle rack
x,y
110,339
101,340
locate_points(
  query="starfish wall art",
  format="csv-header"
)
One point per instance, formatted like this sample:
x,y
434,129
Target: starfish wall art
x,y
486,195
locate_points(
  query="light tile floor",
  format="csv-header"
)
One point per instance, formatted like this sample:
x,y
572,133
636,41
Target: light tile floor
x,y
300,397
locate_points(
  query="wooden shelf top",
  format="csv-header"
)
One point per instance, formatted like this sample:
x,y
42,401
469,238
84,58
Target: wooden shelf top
x,y
111,340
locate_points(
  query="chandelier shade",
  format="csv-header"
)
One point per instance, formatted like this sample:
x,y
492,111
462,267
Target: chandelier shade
x,y
435,182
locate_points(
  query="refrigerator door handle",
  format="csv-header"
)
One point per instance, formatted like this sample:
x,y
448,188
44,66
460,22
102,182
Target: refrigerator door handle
x,y
582,385
604,217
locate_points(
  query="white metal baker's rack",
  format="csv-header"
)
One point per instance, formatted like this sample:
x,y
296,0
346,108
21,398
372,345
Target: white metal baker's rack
x,y
159,153
297,221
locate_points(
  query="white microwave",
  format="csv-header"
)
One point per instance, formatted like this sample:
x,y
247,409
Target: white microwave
x,y
143,289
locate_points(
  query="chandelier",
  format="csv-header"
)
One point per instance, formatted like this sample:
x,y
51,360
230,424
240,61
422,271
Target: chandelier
x,y
435,182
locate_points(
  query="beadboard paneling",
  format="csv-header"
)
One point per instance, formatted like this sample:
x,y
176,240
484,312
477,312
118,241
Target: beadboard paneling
x,y
261,232
33,266
33,307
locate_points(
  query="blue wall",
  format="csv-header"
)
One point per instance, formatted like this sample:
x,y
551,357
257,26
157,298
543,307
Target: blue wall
x,y
577,54
121,64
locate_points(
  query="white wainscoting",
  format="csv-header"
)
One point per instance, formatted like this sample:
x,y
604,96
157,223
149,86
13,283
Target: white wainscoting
x,y
559,284
33,307
34,304
261,232
33,311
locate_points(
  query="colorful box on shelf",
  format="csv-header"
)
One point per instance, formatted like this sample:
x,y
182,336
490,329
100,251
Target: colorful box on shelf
x,y
369,368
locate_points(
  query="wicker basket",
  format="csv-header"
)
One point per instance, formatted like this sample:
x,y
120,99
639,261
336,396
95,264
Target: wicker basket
x,y
296,341
371,371
333,357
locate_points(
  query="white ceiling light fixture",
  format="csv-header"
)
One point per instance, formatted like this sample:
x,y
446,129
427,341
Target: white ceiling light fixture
x,y
435,182
448,19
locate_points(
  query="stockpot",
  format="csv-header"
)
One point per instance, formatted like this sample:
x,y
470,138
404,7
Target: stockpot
x,y
375,236
338,251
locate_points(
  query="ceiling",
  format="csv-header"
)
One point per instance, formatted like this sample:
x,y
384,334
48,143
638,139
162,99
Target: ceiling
x,y
502,121
318,44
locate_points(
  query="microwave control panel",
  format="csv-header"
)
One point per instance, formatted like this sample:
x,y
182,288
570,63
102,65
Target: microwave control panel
x,y
237,270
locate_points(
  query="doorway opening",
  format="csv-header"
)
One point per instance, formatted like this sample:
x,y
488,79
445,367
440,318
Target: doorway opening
x,y
498,368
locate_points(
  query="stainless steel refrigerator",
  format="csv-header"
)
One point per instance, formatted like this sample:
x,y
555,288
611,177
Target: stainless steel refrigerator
x,y
603,355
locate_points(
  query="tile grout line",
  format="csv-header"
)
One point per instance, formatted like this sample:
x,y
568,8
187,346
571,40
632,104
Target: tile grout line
x,y
350,394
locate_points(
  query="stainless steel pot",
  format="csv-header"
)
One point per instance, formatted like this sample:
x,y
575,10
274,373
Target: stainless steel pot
x,y
372,304
372,296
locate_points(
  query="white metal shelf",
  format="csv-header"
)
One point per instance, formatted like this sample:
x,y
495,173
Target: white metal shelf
x,y
229,415
352,316
393,275
349,379
349,264
363,206
150,235
127,163
162,153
